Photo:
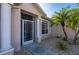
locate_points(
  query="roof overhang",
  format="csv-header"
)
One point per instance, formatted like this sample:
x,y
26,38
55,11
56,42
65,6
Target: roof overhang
x,y
39,8
36,6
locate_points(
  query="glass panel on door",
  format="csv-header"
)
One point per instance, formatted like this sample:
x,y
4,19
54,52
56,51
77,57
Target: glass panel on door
x,y
27,31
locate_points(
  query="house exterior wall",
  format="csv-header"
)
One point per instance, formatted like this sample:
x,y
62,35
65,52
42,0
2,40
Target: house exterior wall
x,y
57,31
30,8
16,23
38,23
5,29
43,36
16,28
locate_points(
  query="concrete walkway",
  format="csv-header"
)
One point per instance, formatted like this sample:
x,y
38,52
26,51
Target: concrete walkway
x,y
35,49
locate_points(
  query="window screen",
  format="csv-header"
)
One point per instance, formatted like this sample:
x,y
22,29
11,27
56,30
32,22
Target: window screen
x,y
44,27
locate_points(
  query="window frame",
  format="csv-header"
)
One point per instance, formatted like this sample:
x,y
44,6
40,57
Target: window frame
x,y
46,26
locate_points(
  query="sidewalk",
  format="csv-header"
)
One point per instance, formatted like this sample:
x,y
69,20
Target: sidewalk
x,y
35,49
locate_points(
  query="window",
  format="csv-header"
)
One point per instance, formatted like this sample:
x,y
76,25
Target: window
x,y
26,16
44,27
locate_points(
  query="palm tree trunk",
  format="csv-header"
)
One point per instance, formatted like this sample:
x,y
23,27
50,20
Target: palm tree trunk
x,y
75,38
64,33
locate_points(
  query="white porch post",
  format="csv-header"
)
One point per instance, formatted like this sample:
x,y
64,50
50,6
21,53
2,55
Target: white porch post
x,y
5,26
39,30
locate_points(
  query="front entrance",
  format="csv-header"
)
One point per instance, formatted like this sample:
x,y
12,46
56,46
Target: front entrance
x,y
27,31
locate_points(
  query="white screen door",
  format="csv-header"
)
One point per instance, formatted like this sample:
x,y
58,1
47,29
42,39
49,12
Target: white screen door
x,y
27,32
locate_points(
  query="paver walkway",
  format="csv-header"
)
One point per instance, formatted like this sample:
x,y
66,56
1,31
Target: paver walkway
x,y
35,49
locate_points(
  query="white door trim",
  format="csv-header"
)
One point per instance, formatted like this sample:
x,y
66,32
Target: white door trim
x,y
31,41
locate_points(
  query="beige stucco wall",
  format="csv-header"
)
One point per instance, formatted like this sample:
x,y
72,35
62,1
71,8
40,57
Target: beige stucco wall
x,y
57,31
16,23
30,8
16,28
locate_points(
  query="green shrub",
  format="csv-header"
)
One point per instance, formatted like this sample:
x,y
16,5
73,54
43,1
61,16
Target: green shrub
x,y
62,45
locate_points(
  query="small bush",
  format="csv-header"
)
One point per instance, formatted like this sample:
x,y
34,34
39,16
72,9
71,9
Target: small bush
x,y
62,45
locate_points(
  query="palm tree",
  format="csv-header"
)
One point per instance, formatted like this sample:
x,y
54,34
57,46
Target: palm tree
x,y
73,22
60,18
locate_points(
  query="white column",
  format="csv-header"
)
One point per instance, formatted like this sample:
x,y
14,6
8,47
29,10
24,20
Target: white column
x,y
5,26
39,30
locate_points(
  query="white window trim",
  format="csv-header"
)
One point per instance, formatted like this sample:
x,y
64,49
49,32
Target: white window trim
x,y
47,26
